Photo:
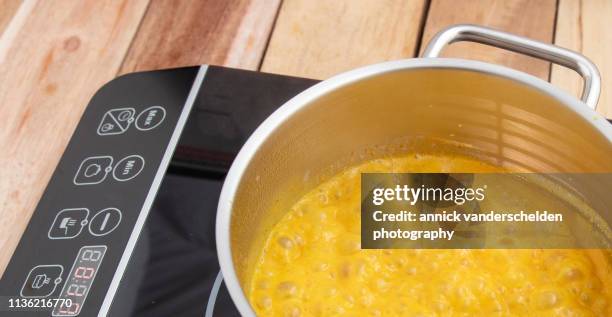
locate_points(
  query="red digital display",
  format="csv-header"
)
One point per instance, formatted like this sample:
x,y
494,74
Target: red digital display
x,y
80,280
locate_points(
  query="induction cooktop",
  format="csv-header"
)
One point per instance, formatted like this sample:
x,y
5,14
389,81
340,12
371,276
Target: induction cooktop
x,y
125,226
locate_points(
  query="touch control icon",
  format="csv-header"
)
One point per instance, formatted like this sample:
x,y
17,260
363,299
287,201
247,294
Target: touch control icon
x,y
116,121
150,118
105,221
128,168
42,281
93,170
68,223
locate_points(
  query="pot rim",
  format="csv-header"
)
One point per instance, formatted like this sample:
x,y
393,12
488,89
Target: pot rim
x,y
288,109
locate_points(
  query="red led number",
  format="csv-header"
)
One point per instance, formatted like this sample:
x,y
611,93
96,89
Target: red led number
x,y
71,310
84,272
76,290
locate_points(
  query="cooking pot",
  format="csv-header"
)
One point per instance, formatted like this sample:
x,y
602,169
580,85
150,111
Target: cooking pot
x,y
507,117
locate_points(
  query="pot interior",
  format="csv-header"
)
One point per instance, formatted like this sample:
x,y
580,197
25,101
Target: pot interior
x,y
428,110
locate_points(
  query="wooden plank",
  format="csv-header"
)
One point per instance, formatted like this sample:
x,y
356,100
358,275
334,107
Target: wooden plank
x,y
584,26
61,53
318,39
533,19
181,33
7,10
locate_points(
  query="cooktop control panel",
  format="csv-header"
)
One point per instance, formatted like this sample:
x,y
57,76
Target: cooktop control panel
x,y
125,226
81,234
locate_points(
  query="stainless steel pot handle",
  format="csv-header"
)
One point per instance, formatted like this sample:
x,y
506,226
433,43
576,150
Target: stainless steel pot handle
x,y
518,44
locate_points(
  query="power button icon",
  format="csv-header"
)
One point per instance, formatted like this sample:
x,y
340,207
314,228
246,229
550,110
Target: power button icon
x,y
105,221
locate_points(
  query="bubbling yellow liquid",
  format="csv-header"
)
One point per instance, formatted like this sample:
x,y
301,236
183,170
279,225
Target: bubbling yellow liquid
x,y
311,264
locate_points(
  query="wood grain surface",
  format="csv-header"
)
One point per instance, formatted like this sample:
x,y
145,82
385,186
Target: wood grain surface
x,y
55,54
183,33
586,27
318,39
79,45
7,10
533,19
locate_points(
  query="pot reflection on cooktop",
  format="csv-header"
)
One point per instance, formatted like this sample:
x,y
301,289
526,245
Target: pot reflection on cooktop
x,y
174,266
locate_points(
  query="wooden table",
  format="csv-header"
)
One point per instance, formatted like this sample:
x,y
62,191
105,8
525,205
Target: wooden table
x,y
55,54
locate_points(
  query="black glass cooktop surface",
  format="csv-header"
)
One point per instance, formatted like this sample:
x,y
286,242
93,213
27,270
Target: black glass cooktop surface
x,y
174,269
174,266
